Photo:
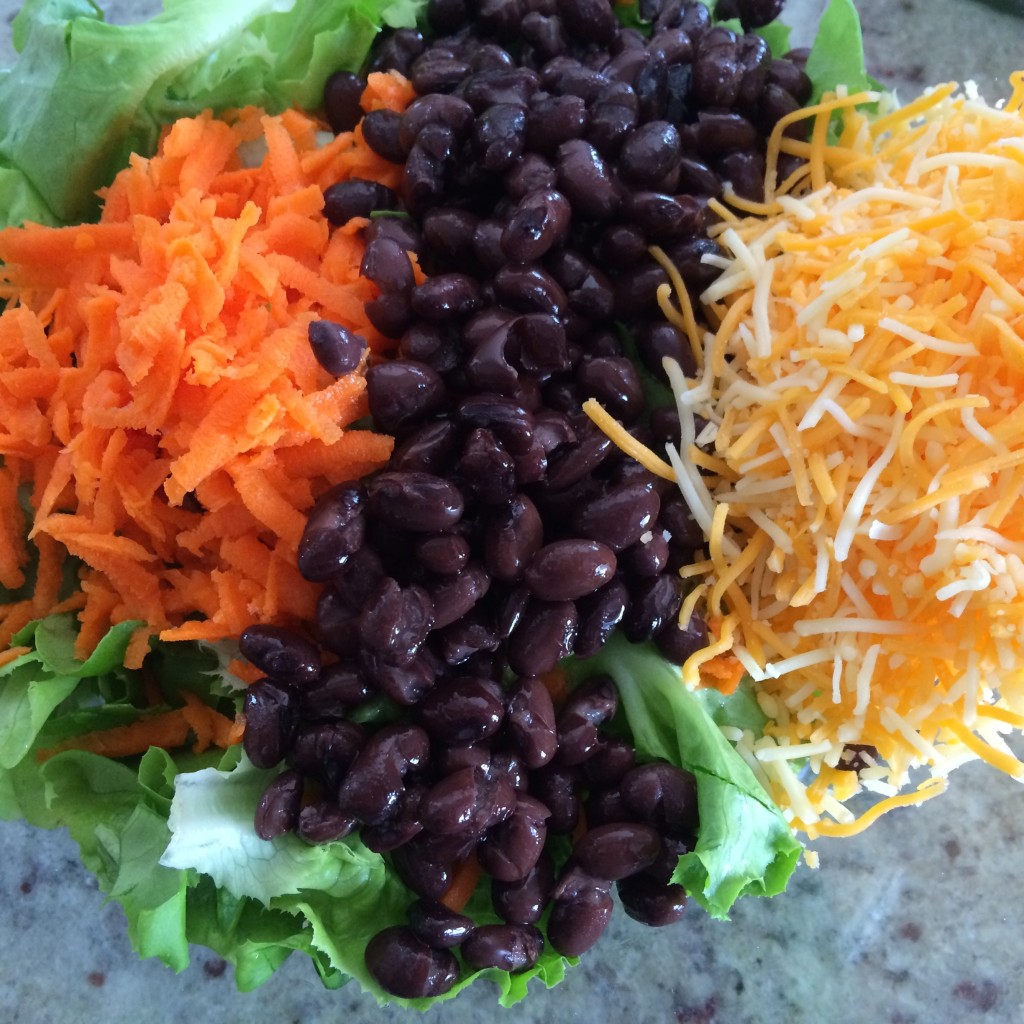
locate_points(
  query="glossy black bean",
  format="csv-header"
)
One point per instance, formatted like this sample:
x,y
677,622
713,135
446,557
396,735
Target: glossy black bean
x,y
659,340
398,51
626,65
445,554
446,297
277,812
512,537
326,750
619,516
745,173
486,468
395,620
337,349
689,259
437,925
405,683
508,947
455,595
697,179
434,72
554,120
651,85
401,827
621,245
418,502
430,449
380,130
528,174
401,229
578,921
510,850
387,265
773,105
374,783
676,517
490,57
545,33
356,197
584,179
390,313
530,289
557,787
510,610
589,291
650,153
531,721
501,16
615,383
499,136
539,222
269,722
342,93
664,218
438,141
672,46
451,111
281,653
467,801
650,902
719,132
592,21
609,125
791,78
463,711
609,763
422,181
650,558
404,965
617,850
324,822
677,644
463,640
334,530
672,849
604,807
452,759
566,570
553,429
573,464
662,795
584,712
524,901
717,73
654,604
599,614
339,688
487,250
509,420
448,232
423,871
636,290
337,623
500,86
540,342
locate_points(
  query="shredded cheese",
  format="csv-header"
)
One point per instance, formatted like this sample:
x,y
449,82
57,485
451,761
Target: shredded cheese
x,y
865,384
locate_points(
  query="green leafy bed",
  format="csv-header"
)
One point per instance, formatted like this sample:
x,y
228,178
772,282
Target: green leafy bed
x,y
170,835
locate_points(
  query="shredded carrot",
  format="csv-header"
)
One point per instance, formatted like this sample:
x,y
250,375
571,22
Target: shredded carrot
x,y
158,395
12,654
723,673
464,881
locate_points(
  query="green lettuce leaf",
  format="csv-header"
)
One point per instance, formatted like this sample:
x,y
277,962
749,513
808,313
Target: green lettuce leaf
x,y
83,94
837,55
744,845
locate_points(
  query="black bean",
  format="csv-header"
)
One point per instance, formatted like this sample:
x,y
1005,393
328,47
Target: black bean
x,y
461,641
557,787
455,595
446,297
791,78
541,343
569,569
717,73
509,420
539,222
278,810
337,623
510,611
585,180
445,554
673,46
463,711
448,231
528,174
614,382
524,901
585,710
334,530
499,136
659,340
387,265
487,250
502,16
621,245
573,464
609,762
626,65
433,72
664,218
665,866
424,870
610,124
500,86
453,759
745,173
511,849
650,902
678,520
487,469
337,349
374,783
553,120
531,721
662,795
356,197
430,449
326,750
592,21
422,181
689,259
404,965
599,614
269,722
390,313
395,620
403,392
380,130
579,920
281,653
400,828
530,289
490,57
774,104
508,947
324,822
650,153
636,290
605,806
648,558
436,108
401,229
415,501
339,687
617,850
342,94
654,604
619,516
437,925
398,51
545,33
589,291
678,643
553,429
468,800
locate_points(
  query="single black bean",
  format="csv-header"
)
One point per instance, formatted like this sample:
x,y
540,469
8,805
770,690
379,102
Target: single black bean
x,y
650,902
658,340
592,21
337,622
684,531
585,180
717,71
269,722
338,689
490,57
390,313
621,245
356,197
678,643
374,783
511,539
651,86
337,349
585,710
579,920
342,94
395,620
380,130
662,795
400,229
791,78
569,569
544,635
405,966
615,383
437,925
636,289
457,592
418,502
617,850
398,51
545,33
589,291
672,849
530,289
690,260
487,250
697,179
531,721
541,343
387,265
463,640
335,529
745,173
573,464
468,800
422,181
324,822
609,763
719,132
326,750
626,65
430,449
278,810
539,222
553,120
557,787
433,72
445,554
463,711
281,653
510,850
510,611
650,153
509,420
524,901
446,297
500,86
486,468
610,124
619,516
452,759
509,947
528,174
664,218
673,46
499,136
436,108
755,59
424,871
605,807
448,231
654,604
406,682
648,558
599,614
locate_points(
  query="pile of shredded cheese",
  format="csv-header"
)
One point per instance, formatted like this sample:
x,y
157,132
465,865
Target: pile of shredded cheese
x,y
861,477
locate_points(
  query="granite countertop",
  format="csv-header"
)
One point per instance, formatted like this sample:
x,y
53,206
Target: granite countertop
x,y
915,921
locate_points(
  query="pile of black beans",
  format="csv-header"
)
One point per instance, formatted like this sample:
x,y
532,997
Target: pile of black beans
x,y
549,147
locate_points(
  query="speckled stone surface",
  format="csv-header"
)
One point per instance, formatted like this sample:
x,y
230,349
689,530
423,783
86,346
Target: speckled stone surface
x,y
915,922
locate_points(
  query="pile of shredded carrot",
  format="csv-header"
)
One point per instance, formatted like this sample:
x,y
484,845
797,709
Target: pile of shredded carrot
x,y
161,411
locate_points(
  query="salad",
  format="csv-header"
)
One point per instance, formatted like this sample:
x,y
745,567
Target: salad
x,y
168,828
